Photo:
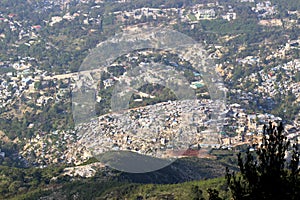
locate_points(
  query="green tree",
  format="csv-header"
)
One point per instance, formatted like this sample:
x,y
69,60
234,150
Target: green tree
x,y
213,194
266,174
196,192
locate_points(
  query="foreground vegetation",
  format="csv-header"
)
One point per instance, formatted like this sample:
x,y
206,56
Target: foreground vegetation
x,y
33,183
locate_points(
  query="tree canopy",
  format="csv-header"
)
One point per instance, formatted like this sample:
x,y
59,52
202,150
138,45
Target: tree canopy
x,y
269,173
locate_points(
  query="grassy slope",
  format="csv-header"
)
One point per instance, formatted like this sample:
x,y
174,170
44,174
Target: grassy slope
x,y
166,191
88,189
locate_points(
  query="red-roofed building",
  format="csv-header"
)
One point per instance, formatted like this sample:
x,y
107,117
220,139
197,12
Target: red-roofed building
x,y
36,27
185,153
11,15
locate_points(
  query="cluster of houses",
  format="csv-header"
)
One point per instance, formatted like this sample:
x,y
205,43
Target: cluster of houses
x,y
213,11
265,9
13,85
250,60
155,130
140,13
54,147
22,83
148,130
278,80
194,14
27,34
248,128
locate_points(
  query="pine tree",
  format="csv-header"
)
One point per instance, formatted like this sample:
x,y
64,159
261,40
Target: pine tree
x,y
266,174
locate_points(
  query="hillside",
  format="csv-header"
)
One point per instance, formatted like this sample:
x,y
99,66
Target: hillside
x,y
106,179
